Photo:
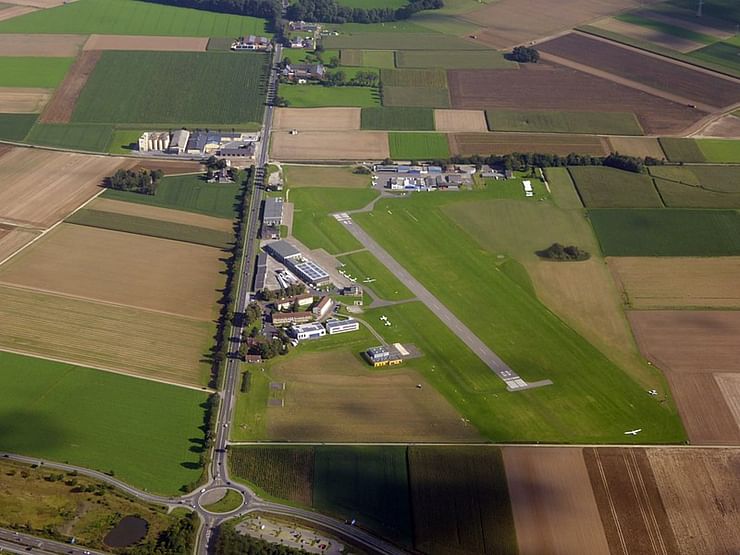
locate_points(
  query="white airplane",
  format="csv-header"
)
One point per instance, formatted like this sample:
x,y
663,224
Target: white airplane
x,y
387,323
384,317
368,280
633,432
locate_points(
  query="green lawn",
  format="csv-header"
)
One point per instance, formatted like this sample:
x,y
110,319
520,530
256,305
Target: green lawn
x,y
603,187
453,59
363,265
399,119
45,73
174,87
124,141
147,432
593,123
15,127
563,189
232,500
75,136
152,228
312,224
318,96
591,399
187,192
132,17
418,146
667,232
324,176
720,151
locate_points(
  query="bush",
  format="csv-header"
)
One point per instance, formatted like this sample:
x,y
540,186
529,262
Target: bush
x,y
560,253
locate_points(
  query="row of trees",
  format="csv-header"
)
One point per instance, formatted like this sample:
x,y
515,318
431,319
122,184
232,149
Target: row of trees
x,y
360,79
291,291
141,181
329,11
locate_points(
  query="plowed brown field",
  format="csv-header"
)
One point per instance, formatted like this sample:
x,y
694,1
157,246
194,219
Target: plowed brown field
x,y
659,73
467,144
126,42
62,104
12,239
554,507
318,119
629,501
41,187
701,492
121,268
547,86
327,145
460,121
23,101
41,45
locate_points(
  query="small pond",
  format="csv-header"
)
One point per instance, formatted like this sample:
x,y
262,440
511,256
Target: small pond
x,y
130,530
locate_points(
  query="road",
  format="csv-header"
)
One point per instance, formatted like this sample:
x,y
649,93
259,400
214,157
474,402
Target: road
x,y
512,380
18,542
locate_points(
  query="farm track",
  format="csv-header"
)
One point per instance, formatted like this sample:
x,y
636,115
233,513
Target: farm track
x,y
62,104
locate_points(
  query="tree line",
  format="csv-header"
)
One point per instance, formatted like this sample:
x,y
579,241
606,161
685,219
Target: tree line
x,y
329,11
142,181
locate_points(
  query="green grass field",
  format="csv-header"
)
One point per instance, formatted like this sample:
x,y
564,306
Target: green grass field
x,y
416,96
312,224
593,123
125,141
131,17
563,189
146,432
363,265
75,136
368,58
453,59
152,228
393,37
681,150
15,127
602,187
418,146
45,73
591,399
187,192
398,119
174,87
318,96
667,232
426,78
324,176
720,151
720,53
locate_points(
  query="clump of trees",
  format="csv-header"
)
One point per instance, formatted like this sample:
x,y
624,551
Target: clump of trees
x,y
177,539
360,79
560,253
525,55
291,291
231,542
141,181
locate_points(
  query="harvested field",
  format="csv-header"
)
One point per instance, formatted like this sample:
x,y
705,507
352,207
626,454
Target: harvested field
x,y
15,11
127,42
700,492
23,101
729,385
317,119
399,41
341,399
725,127
63,103
317,145
659,73
119,338
691,341
665,282
548,86
703,409
122,269
12,239
460,500
460,121
629,501
161,214
554,507
637,146
41,187
640,32
467,144
526,20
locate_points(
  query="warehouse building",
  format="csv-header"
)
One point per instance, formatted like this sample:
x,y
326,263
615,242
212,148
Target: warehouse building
x,y
382,356
179,142
283,251
341,326
310,272
260,276
307,331
272,211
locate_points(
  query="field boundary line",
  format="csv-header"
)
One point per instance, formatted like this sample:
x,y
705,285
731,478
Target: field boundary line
x,y
120,372
609,498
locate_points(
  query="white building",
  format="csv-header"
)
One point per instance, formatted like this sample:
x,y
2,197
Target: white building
x,y
528,190
307,331
341,326
157,141
323,308
179,141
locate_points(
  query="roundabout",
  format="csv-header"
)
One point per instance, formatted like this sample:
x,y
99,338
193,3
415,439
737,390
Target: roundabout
x,y
221,500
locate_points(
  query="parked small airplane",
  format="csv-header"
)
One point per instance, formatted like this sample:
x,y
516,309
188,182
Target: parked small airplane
x,y
633,432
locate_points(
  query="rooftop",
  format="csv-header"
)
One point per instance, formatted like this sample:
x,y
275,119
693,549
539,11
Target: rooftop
x,y
312,271
282,249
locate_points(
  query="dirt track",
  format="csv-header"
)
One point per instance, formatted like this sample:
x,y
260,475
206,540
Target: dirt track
x,y
41,45
16,100
317,119
62,104
126,42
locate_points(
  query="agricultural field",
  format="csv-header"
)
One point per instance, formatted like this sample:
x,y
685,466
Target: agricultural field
x,y
425,97
368,58
662,74
681,150
71,136
666,282
41,187
398,119
425,78
556,87
324,176
143,433
659,232
65,98
363,265
418,146
135,87
318,96
28,71
468,144
392,40
460,121
720,151
14,238
190,193
698,186
603,187
317,119
129,17
650,30
17,100
552,501
596,123
453,59
65,46
312,224
159,44
727,126
15,127
122,269
329,145
637,146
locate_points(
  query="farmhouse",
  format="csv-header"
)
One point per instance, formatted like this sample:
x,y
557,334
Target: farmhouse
x,y
288,318
300,42
382,356
199,143
272,211
341,326
307,331
308,72
251,42
323,308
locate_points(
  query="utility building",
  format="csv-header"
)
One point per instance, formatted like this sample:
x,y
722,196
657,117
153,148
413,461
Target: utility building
x,y
307,331
272,211
341,326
